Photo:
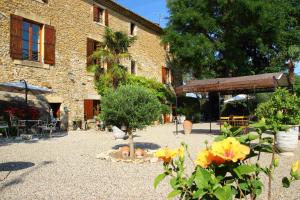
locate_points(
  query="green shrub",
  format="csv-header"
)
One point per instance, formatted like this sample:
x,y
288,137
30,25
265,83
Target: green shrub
x,y
283,108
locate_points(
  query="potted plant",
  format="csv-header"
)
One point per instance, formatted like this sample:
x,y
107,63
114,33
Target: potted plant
x,y
188,121
166,110
282,113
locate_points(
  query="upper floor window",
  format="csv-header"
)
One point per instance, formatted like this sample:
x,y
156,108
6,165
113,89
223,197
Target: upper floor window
x,y
100,15
133,29
31,44
26,41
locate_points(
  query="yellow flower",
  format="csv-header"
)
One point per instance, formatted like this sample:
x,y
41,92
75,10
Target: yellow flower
x,y
166,154
296,166
180,151
204,158
230,149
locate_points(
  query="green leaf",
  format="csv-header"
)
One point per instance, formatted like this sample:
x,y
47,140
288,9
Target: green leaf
x,y
224,193
198,194
173,194
202,178
244,169
258,186
158,179
173,183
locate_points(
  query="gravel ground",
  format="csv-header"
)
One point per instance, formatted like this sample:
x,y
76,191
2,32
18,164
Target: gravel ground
x,y
66,167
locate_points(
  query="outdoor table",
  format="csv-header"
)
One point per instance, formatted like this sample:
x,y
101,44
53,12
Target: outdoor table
x,y
28,124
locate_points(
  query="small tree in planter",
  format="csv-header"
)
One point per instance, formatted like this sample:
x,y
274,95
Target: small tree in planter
x,y
282,114
133,106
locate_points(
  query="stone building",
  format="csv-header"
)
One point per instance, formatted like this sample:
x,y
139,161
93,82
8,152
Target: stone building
x,y
47,42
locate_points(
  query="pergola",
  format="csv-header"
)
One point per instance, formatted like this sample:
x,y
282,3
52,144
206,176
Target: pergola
x,y
246,84
243,84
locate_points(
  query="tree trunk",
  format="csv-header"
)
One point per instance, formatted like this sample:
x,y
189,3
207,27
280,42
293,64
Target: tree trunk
x,y
291,70
131,144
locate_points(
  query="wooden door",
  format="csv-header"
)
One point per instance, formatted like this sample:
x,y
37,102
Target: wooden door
x,y
88,109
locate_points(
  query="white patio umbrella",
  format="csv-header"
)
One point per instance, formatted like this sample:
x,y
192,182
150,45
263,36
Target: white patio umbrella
x,y
22,86
239,97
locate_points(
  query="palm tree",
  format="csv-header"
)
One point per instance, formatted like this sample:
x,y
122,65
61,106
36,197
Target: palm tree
x,y
112,52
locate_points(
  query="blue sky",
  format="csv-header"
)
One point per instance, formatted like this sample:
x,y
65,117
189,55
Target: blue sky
x,y
154,10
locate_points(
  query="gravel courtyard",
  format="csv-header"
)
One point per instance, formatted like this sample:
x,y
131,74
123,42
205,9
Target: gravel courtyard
x,y
66,167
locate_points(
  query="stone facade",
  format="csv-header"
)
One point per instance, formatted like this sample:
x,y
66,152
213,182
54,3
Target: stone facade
x,y
73,22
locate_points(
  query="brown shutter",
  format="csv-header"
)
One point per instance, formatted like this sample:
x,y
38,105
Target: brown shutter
x,y
88,109
49,47
164,74
16,37
106,17
89,52
96,13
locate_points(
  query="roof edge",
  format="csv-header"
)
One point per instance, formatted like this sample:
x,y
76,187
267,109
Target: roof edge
x,y
130,14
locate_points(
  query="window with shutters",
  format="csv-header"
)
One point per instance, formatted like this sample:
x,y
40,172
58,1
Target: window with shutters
x,y
165,75
92,46
31,44
100,15
26,41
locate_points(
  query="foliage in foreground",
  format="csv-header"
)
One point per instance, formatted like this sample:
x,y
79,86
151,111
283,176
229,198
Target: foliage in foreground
x,y
223,171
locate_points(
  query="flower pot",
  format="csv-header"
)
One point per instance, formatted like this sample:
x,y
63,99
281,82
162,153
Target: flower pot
x,y
167,118
124,151
187,126
287,141
139,153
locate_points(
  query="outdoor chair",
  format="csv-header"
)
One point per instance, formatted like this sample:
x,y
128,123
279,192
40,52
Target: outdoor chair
x,y
48,127
4,126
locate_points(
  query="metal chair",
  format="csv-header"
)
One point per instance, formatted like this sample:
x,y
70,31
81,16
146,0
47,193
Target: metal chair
x,y
48,127
5,127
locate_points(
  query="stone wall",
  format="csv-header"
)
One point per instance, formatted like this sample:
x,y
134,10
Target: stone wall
x,y
73,21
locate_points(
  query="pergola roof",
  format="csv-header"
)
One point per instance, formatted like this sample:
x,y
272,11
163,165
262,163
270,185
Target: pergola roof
x,y
236,84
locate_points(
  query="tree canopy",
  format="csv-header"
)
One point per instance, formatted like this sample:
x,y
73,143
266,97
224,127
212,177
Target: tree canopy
x,y
218,38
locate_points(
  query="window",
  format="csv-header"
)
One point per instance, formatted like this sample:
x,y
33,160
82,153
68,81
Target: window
x,y
133,67
100,15
132,29
165,75
26,42
92,46
31,41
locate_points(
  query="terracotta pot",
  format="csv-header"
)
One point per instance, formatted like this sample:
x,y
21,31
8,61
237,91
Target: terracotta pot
x,y
124,151
187,127
139,153
167,118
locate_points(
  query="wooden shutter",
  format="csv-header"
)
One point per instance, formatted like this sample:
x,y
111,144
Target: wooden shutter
x,y
49,45
106,17
16,37
164,74
88,109
89,51
96,13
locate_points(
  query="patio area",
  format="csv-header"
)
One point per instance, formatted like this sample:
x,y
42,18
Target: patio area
x,y
66,167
